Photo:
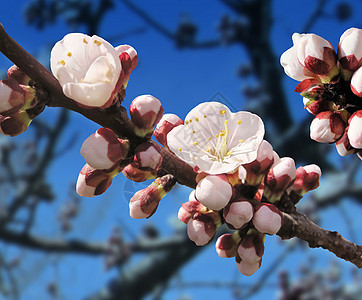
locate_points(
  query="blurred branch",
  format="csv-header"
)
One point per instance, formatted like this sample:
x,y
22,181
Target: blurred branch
x,y
318,12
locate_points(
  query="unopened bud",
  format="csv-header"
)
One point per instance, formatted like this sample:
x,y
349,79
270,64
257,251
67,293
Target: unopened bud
x,y
129,60
214,191
133,173
356,82
355,130
201,228
317,106
15,73
226,244
147,157
328,126
307,179
278,179
144,203
256,170
146,111
15,124
251,247
238,213
103,149
188,209
267,218
92,182
343,145
165,125
246,268
350,51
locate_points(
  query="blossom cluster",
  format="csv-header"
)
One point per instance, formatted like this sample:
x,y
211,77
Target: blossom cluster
x,y
18,103
331,86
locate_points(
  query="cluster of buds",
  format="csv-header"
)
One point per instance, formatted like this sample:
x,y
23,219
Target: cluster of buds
x,y
331,86
18,103
246,201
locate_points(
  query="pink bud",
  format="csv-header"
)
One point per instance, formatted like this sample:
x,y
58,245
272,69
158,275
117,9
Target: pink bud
x,y
327,127
256,170
214,191
129,60
279,178
92,182
133,173
201,228
188,209
350,51
103,149
251,248
165,125
12,97
144,203
145,112
343,145
226,245
14,124
355,130
238,213
147,157
307,179
267,218
317,106
19,76
356,82
246,268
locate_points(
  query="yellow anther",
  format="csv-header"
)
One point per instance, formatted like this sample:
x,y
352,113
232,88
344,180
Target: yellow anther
x,y
190,121
223,131
186,122
217,135
193,131
222,111
85,41
196,143
239,122
179,149
209,138
82,80
204,116
62,62
97,42
240,141
69,54
196,119
222,134
208,150
229,153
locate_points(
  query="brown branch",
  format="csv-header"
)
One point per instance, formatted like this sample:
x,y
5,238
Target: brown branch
x,y
298,225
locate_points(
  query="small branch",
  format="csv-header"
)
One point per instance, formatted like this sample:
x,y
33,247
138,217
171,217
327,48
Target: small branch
x,y
315,16
298,225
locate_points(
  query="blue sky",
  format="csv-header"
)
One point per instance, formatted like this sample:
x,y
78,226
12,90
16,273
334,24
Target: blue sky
x,y
180,79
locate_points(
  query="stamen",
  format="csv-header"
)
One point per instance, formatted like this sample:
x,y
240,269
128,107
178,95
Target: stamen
x,y
222,111
69,54
85,41
196,119
97,42
62,62
186,122
239,122
196,143
179,149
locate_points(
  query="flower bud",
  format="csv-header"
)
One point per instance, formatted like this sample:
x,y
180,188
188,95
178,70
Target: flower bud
x,y
147,158
146,111
343,145
251,247
355,130
307,179
201,228
88,69
327,127
15,124
19,76
238,213
165,125
144,203
267,218
226,244
356,82
350,51
103,149
133,173
15,97
188,209
214,191
246,268
317,106
129,60
278,179
256,170
92,182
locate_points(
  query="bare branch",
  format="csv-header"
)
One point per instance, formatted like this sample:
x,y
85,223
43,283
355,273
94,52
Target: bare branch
x,y
315,16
